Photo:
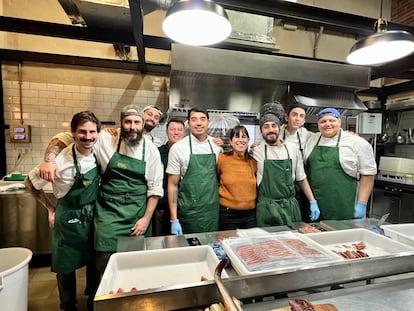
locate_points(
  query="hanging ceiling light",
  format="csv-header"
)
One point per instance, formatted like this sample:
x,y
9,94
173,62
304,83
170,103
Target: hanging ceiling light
x,y
196,22
381,47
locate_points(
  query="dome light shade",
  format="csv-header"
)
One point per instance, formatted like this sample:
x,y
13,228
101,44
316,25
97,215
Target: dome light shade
x,y
381,47
196,22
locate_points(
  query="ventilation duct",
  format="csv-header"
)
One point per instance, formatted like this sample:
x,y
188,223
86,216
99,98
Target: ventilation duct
x,y
242,81
248,29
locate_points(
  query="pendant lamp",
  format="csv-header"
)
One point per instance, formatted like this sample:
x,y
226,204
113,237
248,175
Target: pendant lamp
x,y
196,22
381,47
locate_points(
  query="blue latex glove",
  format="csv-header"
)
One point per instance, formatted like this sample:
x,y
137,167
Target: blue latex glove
x,y
360,210
176,227
314,209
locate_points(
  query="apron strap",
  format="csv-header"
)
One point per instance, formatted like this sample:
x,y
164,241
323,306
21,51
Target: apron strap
x,y
191,145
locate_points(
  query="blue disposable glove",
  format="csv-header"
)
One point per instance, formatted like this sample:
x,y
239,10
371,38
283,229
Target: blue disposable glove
x,y
360,210
314,209
176,227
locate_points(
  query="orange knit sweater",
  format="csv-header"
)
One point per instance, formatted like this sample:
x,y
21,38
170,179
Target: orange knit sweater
x,y
237,178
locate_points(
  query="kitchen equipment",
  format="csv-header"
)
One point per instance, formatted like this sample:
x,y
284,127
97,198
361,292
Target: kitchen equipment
x,y
153,269
14,276
398,170
227,299
382,219
410,135
385,136
276,252
398,137
376,245
403,233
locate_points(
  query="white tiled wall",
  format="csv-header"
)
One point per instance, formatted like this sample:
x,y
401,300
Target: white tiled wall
x,y
49,107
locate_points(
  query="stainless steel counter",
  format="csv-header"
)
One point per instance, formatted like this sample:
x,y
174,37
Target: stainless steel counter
x,y
268,284
392,295
24,222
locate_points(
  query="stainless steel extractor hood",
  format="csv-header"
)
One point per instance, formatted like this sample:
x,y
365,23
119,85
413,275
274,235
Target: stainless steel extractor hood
x,y
242,81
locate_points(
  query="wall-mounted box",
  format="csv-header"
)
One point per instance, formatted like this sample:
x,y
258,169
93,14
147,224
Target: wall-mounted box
x,y
20,133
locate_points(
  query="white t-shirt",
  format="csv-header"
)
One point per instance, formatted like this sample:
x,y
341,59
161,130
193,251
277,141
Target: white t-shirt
x,y
279,153
67,171
356,155
179,154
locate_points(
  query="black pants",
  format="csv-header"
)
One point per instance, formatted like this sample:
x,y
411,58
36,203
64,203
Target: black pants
x,y
67,287
231,219
161,224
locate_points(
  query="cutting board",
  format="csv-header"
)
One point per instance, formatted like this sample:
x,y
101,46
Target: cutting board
x,y
321,307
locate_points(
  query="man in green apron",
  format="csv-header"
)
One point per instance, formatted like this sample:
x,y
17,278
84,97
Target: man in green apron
x,y
294,131
132,175
279,164
161,219
72,220
341,169
192,182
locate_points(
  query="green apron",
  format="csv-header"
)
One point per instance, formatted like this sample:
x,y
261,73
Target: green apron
x,y
334,190
198,198
122,200
71,235
299,195
276,204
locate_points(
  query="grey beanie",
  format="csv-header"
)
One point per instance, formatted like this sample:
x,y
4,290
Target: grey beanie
x,y
130,110
269,117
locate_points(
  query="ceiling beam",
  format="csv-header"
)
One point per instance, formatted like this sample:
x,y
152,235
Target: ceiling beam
x,y
47,58
94,34
137,26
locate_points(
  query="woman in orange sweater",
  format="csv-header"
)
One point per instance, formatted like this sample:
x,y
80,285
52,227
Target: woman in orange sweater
x,y
236,172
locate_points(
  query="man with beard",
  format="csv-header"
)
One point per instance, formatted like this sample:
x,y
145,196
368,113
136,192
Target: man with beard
x,y
131,183
152,117
279,164
72,219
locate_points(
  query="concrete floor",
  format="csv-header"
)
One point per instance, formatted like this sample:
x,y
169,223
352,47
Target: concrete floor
x,y
43,292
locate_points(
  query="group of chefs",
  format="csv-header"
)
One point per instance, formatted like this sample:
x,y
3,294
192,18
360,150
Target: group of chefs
x,y
204,189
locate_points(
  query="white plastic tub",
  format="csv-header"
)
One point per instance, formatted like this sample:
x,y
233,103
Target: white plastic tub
x,y
403,233
376,245
151,269
14,276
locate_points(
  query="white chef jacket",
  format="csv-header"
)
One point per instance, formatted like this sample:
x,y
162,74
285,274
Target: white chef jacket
x,y
106,146
67,171
279,153
355,153
303,133
179,154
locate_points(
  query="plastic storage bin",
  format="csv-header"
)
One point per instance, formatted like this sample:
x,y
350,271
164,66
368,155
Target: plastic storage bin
x,y
14,275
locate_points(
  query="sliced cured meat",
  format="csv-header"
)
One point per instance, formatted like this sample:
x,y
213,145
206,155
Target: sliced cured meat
x,y
275,249
251,255
300,305
308,229
302,248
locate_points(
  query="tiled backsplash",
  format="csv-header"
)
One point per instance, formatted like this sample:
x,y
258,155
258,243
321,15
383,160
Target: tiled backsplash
x,y
48,108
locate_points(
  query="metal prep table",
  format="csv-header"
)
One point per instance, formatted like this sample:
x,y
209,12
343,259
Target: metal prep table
x,y
195,296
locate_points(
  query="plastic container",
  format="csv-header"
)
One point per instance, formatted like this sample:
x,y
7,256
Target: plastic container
x,y
403,233
142,270
14,276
